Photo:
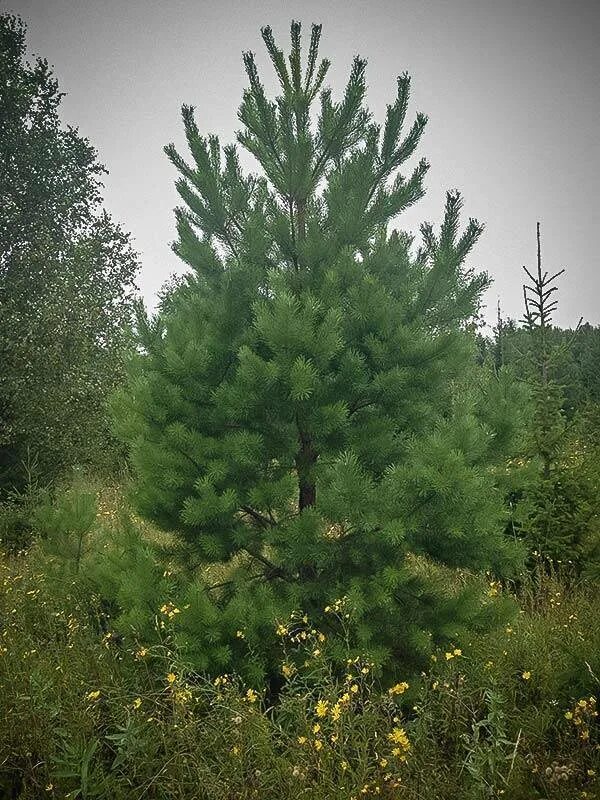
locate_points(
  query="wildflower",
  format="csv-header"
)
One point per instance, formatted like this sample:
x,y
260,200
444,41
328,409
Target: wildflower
x,y
141,653
321,637
354,688
182,696
171,678
240,634
344,765
93,695
281,630
316,653
251,696
318,744
526,675
457,651
449,656
235,750
137,702
344,699
398,688
321,708
288,670
302,740
398,736
568,715
336,712
383,762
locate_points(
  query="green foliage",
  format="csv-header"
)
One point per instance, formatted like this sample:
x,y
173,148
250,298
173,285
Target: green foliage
x,y
89,713
66,281
65,524
306,412
556,506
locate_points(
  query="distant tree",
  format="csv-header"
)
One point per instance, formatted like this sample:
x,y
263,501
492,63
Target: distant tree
x,y
66,278
559,507
307,414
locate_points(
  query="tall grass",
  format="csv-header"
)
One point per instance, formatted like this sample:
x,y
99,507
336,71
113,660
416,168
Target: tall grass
x,y
91,710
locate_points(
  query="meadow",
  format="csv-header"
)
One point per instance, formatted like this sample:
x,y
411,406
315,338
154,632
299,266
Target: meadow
x,y
90,708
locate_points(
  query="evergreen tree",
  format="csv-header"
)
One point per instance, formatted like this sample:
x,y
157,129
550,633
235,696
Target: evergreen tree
x,y
307,412
558,510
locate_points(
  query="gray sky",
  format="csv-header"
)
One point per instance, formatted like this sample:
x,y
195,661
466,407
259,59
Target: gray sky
x,y
511,88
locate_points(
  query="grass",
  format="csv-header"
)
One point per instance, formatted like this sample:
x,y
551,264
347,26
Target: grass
x,y
92,711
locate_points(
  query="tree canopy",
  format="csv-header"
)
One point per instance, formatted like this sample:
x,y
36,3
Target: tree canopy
x,y
67,276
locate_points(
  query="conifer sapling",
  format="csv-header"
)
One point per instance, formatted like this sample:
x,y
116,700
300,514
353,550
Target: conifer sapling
x,y
307,413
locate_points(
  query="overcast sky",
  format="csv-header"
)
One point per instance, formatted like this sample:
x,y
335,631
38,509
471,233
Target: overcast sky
x,y
511,88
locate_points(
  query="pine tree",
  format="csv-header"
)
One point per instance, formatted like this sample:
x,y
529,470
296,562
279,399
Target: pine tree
x,y
307,412
559,510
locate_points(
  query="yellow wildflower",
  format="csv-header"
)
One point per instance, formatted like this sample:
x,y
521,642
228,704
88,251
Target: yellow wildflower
x,y
526,675
321,708
251,696
354,688
93,695
316,727
302,740
288,670
137,702
398,736
171,678
398,688
344,765
318,744
336,712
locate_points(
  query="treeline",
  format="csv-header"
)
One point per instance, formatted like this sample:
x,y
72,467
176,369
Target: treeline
x,y
67,282
577,367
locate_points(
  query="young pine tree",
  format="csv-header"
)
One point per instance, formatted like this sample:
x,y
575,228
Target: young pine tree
x,y
307,413
559,510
